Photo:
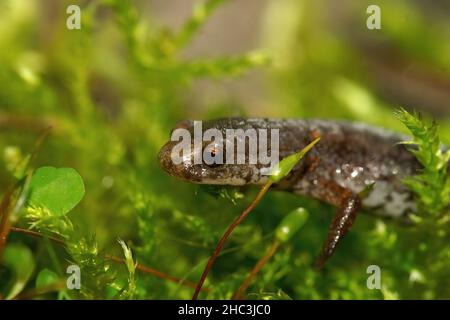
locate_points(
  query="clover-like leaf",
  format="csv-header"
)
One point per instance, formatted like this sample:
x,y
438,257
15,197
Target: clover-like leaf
x,y
58,190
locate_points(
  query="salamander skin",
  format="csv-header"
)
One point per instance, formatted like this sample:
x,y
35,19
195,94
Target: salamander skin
x,y
349,158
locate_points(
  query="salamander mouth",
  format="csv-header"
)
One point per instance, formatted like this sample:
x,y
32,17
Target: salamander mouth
x,y
225,174
182,171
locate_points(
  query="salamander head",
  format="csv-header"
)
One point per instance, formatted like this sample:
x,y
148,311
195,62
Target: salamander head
x,y
206,159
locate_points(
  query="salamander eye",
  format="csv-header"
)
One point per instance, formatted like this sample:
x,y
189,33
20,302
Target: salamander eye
x,y
212,155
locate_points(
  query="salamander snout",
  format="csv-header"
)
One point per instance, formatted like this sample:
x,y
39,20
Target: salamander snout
x,y
182,165
182,170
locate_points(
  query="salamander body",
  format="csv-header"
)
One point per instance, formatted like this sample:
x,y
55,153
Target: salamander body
x,y
349,159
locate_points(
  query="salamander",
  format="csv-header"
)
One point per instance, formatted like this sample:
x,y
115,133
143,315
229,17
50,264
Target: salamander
x,y
351,159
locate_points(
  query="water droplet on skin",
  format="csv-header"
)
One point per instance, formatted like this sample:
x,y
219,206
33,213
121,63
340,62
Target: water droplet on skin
x,y
354,172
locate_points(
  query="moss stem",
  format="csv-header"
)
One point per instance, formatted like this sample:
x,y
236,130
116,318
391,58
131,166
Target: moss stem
x,y
226,235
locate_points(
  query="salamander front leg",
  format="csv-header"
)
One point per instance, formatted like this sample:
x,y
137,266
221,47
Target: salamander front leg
x,y
342,221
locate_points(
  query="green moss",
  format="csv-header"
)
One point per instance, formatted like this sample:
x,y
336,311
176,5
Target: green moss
x,y
113,90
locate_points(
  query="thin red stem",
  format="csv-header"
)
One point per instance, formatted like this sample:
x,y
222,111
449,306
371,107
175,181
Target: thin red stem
x,y
261,263
37,235
5,212
6,206
224,238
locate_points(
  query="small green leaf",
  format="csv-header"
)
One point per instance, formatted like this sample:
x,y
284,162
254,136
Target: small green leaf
x,y
287,164
46,278
58,190
291,224
19,259
366,191
128,257
129,291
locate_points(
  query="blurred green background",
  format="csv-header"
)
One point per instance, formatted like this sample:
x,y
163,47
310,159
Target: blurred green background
x,y
113,90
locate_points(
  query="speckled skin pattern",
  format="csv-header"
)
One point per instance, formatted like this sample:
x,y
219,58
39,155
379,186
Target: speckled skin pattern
x,y
348,158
